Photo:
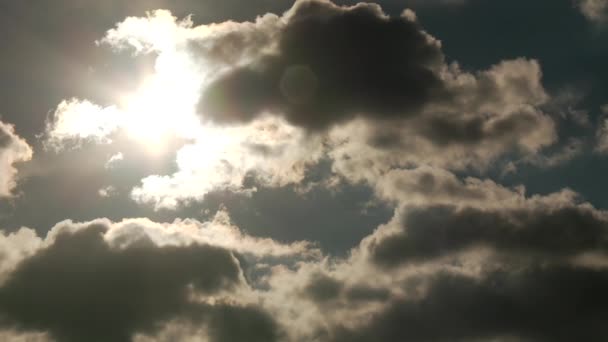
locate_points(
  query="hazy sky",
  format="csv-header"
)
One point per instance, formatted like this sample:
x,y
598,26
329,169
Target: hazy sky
x,y
272,170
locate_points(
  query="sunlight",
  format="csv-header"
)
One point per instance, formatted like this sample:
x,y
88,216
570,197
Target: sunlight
x,y
164,106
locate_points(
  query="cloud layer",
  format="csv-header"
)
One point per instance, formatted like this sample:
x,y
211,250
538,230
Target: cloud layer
x,y
274,97
322,95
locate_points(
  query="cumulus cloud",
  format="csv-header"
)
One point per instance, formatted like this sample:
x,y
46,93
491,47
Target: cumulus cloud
x,y
504,305
497,113
16,246
350,84
333,64
79,278
428,185
136,278
472,255
75,121
269,150
503,268
462,258
437,213
13,149
437,230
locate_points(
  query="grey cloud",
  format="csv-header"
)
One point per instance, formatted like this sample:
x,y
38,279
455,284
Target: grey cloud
x,y
80,288
236,324
569,150
322,288
432,186
218,323
505,271
332,64
555,303
435,231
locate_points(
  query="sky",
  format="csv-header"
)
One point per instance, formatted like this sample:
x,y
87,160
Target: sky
x,y
309,170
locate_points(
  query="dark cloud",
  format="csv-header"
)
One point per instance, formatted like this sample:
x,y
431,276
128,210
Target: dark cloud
x,y
322,288
363,293
332,64
435,231
325,289
534,304
446,130
236,324
82,289
321,65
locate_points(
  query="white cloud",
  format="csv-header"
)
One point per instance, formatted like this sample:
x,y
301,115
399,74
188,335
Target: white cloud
x,y
13,149
75,121
272,151
16,246
107,191
115,158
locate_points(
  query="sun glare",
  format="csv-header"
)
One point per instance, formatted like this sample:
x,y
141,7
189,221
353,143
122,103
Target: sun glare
x,y
164,105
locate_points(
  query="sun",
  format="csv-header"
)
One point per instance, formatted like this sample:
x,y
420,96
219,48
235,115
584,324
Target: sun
x,y
164,105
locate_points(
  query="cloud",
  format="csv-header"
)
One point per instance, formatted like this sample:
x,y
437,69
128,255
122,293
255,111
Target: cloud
x,y
314,78
13,149
433,186
269,150
494,270
334,64
468,249
497,113
437,230
571,149
350,84
463,258
16,246
80,278
13,336
115,158
136,277
107,191
438,214
504,305
594,10
602,133
75,121
219,326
